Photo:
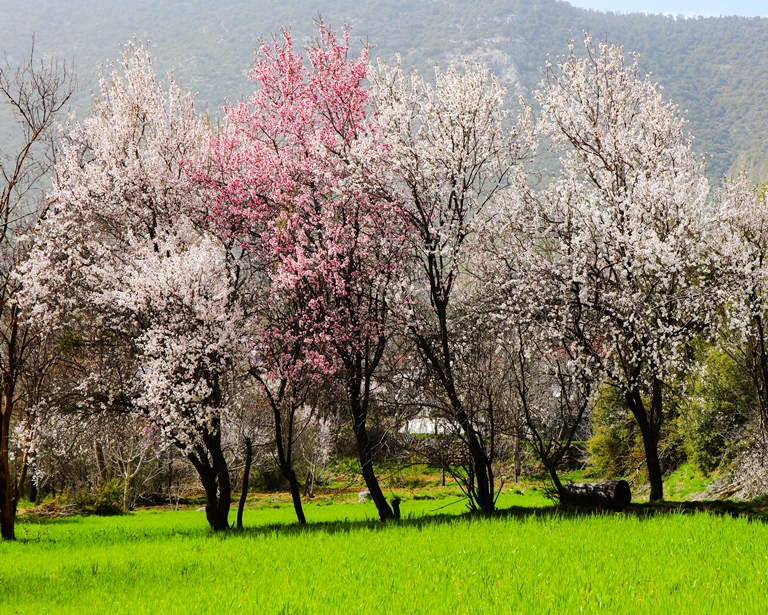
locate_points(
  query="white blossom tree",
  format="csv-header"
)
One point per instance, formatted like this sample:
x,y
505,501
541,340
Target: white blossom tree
x,y
554,347
622,232
121,256
34,91
743,251
447,158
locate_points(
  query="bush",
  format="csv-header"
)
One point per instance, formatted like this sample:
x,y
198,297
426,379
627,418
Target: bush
x,y
109,499
616,448
106,501
722,401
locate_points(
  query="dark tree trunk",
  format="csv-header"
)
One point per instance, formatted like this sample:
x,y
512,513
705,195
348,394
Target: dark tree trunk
x,y
369,475
358,389
212,468
7,507
284,442
364,451
10,492
396,507
208,479
296,495
284,451
8,499
482,471
655,476
246,479
650,427
225,487
480,482
609,495
552,469
7,522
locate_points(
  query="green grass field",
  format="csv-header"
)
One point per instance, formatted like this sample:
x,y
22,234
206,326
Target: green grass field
x,y
526,560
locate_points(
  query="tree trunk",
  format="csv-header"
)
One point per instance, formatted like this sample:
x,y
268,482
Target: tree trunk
x,y
8,500
208,479
296,495
7,522
552,469
225,487
396,508
610,495
481,466
284,450
101,463
246,478
366,463
358,390
33,491
372,482
480,483
650,427
212,469
309,485
9,495
655,477
127,486
7,507
170,482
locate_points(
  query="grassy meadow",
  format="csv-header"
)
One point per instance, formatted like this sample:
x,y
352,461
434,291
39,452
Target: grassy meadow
x,y
530,558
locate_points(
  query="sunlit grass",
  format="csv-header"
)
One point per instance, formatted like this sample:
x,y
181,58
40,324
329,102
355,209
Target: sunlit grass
x,y
437,560
686,481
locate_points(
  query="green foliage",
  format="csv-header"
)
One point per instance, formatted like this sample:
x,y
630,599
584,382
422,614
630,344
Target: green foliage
x,y
105,501
684,482
722,399
70,344
616,447
108,500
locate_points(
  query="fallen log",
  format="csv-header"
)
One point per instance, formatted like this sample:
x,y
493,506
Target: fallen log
x,y
608,495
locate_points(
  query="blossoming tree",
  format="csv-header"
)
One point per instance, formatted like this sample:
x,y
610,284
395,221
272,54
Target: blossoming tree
x,y
630,195
447,158
296,192
34,92
120,257
743,250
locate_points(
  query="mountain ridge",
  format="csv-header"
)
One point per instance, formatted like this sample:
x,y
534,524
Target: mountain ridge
x,y
715,67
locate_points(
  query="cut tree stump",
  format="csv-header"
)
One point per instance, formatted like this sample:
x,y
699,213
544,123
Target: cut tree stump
x,y
610,495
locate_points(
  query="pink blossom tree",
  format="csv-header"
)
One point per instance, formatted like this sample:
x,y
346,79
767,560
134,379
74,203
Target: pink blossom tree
x,y
297,190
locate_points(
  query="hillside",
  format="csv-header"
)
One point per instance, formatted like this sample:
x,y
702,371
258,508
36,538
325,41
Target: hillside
x,y
716,68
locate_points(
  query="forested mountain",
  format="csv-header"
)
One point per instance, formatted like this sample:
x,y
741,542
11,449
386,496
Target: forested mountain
x,y
716,68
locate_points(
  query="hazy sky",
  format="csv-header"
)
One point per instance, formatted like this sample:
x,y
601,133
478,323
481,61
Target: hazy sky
x,y
707,8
